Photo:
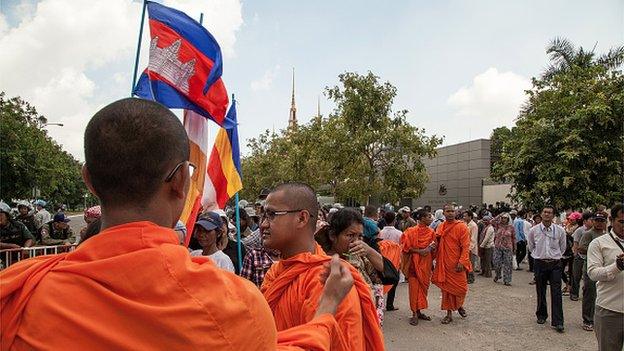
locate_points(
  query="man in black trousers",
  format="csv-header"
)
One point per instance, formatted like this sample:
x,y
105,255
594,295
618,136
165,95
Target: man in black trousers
x,y
547,243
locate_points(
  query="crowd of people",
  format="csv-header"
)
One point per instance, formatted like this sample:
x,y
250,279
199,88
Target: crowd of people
x,y
30,224
307,276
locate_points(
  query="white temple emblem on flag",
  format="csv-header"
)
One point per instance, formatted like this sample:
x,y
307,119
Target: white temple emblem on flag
x,y
165,62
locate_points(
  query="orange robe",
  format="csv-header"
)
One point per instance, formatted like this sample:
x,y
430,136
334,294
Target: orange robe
x,y
292,288
134,287
418,270
392,251
453,247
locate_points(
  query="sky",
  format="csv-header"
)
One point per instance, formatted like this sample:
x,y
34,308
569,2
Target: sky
x,y
460,67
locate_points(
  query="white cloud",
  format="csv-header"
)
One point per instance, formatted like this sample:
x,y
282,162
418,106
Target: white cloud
x,y
493,97
223,18
4,26
25,9
69,58
266,81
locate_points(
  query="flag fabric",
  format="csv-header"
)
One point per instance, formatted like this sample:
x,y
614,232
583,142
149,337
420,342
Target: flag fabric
x,y
224,167
197,128
185,65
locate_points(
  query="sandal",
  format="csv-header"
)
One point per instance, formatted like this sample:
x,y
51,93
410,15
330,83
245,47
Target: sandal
x,y
588,327
413,321
447,320
424,317
462,312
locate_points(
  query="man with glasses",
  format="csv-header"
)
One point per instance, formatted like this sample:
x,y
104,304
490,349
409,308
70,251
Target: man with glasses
x,y
291,285
132,286
547,243
605,265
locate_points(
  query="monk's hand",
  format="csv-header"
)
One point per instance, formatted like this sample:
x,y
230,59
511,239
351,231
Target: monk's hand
x,y
360,248
459,267
423,252
338,283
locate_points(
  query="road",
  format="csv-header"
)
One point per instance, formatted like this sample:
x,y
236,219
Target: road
x,y
76,222
499,318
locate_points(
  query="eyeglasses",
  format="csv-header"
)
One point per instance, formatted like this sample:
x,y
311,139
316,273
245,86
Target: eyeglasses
x,y
271,215
191,166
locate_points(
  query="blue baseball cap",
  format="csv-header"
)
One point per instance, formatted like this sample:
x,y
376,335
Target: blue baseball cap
x,y
60,217
209,221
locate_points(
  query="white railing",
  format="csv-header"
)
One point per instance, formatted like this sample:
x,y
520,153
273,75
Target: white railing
x,y
10,256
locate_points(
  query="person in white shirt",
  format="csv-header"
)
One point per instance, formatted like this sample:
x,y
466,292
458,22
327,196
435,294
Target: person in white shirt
x,y
209,233
389,232
474,246
547,243
42,216
605,265
487,247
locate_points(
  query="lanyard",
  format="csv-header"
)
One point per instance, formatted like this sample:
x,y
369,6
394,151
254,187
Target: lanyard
x,y
554,231
617,242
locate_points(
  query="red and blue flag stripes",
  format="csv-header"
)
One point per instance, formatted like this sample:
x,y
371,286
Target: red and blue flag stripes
x,y
185,65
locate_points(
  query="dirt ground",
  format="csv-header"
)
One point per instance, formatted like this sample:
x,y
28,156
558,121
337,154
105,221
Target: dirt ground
x,y
499,318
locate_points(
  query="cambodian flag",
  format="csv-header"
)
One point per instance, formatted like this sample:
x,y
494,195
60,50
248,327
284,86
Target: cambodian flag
x,y
185,65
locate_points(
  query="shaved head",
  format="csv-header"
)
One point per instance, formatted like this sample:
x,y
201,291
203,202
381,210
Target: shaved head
x,y
300,196
130,146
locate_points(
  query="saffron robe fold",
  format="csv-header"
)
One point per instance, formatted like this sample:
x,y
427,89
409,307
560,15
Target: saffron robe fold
x,y
453,248
293,289
134,287
418,267
392,251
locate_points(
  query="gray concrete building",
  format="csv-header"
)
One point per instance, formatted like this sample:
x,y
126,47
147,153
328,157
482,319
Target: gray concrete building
x,y
457,174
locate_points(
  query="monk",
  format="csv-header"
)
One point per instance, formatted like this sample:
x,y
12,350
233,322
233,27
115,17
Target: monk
x,y
291,286
452,261
419,248
132,286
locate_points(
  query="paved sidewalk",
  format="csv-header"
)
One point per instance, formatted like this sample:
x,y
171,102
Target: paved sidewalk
x,y
499,318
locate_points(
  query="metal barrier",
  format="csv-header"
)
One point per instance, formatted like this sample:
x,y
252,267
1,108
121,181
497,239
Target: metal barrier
x,y
11,256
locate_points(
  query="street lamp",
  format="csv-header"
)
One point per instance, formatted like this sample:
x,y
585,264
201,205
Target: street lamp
x,y
53,124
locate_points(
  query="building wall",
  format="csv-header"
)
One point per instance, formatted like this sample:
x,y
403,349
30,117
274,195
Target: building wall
x,y
461,169
493,193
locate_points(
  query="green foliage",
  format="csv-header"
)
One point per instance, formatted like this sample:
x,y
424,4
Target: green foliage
x,y
30,159
498,138
361,150
568,143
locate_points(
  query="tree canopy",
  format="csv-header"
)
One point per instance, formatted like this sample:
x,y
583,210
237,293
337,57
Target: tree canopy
x,y
30,160
362,150
567,146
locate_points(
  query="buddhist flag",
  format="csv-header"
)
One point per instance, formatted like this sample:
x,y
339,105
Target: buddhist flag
x,y
197,130
224,168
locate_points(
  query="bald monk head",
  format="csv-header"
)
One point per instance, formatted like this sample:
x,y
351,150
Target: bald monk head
x,y
289,220
449,212
136,163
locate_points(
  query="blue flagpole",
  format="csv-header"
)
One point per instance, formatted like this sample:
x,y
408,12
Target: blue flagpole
x,y
138,52
238,235
238,232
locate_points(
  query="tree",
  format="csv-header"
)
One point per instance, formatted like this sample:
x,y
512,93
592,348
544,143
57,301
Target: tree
x,y
385,150
31,160
361,150
566,148
498,138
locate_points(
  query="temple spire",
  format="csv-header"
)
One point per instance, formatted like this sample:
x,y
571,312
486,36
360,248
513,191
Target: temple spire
x,y
318,106
292,119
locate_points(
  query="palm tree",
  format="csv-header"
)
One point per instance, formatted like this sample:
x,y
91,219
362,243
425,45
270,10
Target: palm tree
x,y
564,56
